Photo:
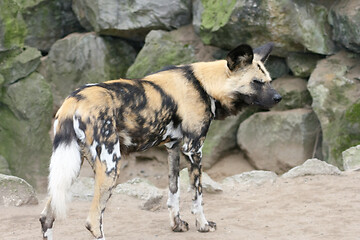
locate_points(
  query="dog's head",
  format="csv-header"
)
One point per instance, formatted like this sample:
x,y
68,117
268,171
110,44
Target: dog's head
x,y
249,81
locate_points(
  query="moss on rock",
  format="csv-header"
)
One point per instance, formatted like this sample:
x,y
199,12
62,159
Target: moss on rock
x,y
160,50
292,24
12,26
25,113
336,93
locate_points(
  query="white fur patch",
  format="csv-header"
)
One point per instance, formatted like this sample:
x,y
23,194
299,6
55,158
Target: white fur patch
x,y
127,141
197,209
64,168
56,122
170,144
213,107
49,234
173,203
108,157
189,154
93,149
91,84
79,133
172,132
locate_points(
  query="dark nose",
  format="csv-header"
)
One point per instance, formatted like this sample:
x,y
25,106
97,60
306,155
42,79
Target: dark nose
x,y
277,98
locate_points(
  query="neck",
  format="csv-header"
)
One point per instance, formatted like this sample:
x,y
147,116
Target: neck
x,y
213,77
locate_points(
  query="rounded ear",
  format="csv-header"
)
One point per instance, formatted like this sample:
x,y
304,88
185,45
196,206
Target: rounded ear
x,y
264,51
239,57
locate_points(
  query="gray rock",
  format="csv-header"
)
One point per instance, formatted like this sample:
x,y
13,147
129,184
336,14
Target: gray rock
x,y
37,23
208,185
85,58
335,89
25,113
163,49
83,188
345,20
144,190
302,64
221,137
252,178
293,91
351,158
278,141
132,19
4,166
18,63
292,24
277,67
37,16
312,167
12,25
15,191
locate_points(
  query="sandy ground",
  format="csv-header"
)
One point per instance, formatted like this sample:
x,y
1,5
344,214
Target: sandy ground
x,y
312,207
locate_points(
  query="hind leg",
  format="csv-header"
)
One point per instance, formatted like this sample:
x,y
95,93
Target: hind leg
x,y
104,183
176,223
47,220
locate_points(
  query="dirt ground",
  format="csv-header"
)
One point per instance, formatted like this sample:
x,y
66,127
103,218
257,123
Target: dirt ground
x,y
312,207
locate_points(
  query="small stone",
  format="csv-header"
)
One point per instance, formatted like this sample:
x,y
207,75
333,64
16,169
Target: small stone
x,y
143,190
312,167
83,188
15,191
252,178
208,185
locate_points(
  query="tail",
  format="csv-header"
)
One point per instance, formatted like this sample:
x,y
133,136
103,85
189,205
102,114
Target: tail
x,y
64,166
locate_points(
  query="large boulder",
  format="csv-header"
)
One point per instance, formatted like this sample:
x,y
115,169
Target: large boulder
x,y
37,23
292,24
47,21
293,91
276,66
12,25
345,20
302,64
132,19
221,137
4,166
335,88
82,58
15,191
351,158
25,113
163,48
278,141
18,63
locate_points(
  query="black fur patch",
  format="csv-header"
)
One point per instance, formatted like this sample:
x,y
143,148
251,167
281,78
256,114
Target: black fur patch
x,y
66,133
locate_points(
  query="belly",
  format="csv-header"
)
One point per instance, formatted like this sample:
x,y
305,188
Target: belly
x,y
139,134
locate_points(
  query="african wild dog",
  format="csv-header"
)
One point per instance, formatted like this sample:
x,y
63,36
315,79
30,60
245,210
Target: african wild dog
x,y
101,122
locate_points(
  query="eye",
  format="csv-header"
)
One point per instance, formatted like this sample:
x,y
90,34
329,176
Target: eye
x,y
257,81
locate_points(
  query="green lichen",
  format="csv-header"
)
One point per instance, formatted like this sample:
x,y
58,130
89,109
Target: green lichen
x,y
161,50
353,114
342,133
215,15
12,25
25,113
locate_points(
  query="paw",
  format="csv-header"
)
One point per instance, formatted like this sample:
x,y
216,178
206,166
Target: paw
x,y
209,227
180,225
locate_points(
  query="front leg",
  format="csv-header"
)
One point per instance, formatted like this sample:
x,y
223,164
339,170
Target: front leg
x,y
177,225
193,155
